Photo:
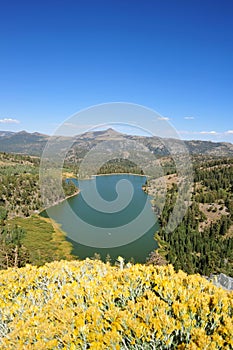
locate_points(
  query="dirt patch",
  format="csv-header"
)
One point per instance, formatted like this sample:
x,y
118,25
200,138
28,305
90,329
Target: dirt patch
x,y
229,233
160,185
213,213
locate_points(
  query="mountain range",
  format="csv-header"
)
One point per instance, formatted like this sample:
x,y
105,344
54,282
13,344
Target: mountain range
x,y
34,143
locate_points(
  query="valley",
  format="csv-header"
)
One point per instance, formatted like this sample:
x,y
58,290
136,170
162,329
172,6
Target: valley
x,y
201,243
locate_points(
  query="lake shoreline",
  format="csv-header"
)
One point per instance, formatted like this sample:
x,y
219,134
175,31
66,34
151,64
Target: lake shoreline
x,y
89,178
109,174
60,201
118,174
91,222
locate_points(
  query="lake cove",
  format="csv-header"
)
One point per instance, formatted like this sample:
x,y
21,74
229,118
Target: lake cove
x,y
111,215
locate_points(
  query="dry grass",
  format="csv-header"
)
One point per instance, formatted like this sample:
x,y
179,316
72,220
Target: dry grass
x,y
44,239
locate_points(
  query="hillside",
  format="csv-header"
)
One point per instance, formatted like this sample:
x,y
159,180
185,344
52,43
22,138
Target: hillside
x,y
24,235
91,305
23,142
201,243
34,143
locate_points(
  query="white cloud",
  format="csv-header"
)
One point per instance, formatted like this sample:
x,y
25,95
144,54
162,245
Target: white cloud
x,y
189,118
163,118
196,133
9,121
208,132
207,135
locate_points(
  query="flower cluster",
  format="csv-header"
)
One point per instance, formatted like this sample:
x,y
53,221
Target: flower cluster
x,y
92,305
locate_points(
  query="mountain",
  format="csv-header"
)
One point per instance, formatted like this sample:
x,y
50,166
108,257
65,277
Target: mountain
x,y
156,144
6,133
22,142
34,143
99,135
210,148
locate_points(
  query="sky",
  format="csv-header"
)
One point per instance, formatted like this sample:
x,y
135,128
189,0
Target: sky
x,y
173,56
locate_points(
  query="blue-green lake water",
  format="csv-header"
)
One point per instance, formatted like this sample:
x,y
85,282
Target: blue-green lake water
x,y
111,215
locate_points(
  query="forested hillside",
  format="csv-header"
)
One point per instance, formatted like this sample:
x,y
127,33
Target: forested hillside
x,y
202,242
25,237
19,184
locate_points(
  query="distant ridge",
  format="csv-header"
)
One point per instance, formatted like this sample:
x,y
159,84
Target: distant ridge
x,y
34,143
23,142
6,133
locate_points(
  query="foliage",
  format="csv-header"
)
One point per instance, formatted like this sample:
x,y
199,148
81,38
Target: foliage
x,y
12,250
19,184
91,305
209,250
195,250
69,188
120,166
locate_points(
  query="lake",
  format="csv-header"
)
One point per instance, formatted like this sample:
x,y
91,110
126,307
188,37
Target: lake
x,y
111,215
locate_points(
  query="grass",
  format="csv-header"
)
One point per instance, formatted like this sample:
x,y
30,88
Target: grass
x,y
44,239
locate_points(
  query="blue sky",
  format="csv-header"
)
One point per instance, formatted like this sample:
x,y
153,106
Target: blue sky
x,y
174,56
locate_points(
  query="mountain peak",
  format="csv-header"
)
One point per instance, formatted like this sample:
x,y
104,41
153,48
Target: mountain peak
x,y
111,130
22,132
33,143
99,134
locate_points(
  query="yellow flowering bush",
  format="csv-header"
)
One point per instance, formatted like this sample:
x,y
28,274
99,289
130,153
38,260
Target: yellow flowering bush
x,y
91,305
